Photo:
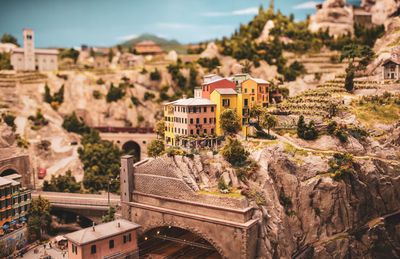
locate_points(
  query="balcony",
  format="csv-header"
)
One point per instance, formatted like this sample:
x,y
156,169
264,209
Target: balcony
x,y
199,126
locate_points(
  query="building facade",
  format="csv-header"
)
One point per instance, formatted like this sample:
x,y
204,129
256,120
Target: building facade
x,y
148,47
258,89
29,59
391,69
188,117
115,239
210,86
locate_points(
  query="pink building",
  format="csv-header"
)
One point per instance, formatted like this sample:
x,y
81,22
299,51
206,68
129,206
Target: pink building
x,y
115,239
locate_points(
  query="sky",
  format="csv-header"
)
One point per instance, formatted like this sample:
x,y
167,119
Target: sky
x,y
71,23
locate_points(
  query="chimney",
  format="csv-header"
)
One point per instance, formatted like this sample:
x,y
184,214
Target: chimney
x,y
119,225
93,227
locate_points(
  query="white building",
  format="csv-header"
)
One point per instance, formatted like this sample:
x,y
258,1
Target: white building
x,y
29,58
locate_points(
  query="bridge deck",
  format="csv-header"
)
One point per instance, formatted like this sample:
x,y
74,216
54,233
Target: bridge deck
x,y
76,200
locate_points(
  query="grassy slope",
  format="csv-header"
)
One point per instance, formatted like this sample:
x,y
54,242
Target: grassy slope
x,y
370,113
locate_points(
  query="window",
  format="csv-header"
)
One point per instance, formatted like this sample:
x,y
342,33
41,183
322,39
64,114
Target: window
x,y
246,102
225,102
185,120
252,91
191,121
207,88
197,132
191,132
245,90
130,237
125,237
260,88
212,109
205,120
93,249
29,37
205,131
197,120
252,98
210,120
205,109
212,130
111,243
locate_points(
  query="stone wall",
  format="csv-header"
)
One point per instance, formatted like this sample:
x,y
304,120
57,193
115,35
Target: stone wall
x,y
20,164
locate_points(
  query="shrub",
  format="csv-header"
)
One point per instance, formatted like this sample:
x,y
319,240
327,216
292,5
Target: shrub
x,y
96,94
44,145
234,152
21,142
254,195
304,131
140,119
9,120
209,63
222,185
341,165
38,120
73,124
62,183
155,75
342,134
155,148
135,101
148,96
332,127
114,93
100,81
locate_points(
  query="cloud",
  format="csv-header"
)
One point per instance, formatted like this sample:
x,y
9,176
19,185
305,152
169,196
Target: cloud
x,y
306,5
247,11
127,37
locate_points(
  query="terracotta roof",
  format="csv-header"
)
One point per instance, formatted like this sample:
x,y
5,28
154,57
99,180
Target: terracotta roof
x,y
225,91
215,80
148,46
259,81
102,231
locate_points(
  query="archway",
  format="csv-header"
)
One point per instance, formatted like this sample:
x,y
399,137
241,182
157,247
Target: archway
x,y
175,242
132,148
8,172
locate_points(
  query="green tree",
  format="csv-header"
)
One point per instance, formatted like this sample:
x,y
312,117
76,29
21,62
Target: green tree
x,y
39,218
110,55
350,52
8,38
114,93
159,129
62,183
120,49
5,63
148,96
70,53
110,215
268,121
230,121
234,152
155,148
9,119
59,95
91,52
301,127
47,95
349,80
246,67
256,111
73,124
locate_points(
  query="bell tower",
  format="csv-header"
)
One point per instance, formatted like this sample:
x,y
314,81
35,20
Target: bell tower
x,y
29,50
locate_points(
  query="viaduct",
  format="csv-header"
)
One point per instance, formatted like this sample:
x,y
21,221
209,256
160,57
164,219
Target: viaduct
x,y
155,195
12,161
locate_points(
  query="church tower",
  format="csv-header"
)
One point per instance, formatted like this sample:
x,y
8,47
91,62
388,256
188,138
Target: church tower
x,y
29,50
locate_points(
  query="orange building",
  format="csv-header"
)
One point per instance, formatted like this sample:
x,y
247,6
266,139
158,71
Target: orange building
x,y
5,201
258,90
148,47
115,239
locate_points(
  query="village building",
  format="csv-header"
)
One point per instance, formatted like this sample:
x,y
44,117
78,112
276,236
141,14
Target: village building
x,y
227,98
257,88
188,117
238,79
209,86
7,47
115,239
29,59
148,47
130,60
391,68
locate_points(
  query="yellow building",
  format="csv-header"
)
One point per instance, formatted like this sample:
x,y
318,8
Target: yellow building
x,y
5,201
230,99
258,90
169,123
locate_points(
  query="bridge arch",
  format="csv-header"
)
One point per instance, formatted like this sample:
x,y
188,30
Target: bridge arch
x,y
131,147
147,228
8,170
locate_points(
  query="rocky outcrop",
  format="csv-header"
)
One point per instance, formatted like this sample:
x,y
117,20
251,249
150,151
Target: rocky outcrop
x,y
381,9
211,51
265,32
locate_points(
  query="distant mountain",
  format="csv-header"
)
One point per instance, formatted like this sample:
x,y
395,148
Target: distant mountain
x,y
166,45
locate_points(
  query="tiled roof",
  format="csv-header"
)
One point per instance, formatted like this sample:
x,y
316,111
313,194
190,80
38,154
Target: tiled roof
x,y
192,102
391,60
225,91
213,81
102,231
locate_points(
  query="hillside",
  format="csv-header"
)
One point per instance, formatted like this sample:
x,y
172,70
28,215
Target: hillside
x,y
166,45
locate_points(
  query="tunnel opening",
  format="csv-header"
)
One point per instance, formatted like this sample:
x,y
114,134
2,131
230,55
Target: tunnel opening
x,y
65,221
173,242
8,172
132,148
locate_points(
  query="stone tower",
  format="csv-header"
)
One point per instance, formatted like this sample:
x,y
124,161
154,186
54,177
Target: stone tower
x,y
29,50
126,185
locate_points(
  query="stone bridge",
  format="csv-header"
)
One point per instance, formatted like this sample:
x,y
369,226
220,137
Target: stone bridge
x,y
129,140
12,161
155,195
91,206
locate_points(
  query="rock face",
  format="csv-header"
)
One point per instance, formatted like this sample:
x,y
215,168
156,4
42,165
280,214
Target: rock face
x,y
381,9
265,32
211,51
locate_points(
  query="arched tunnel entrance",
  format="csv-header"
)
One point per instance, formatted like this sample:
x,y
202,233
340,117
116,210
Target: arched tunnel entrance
x,y
132,148
174,242
8,172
